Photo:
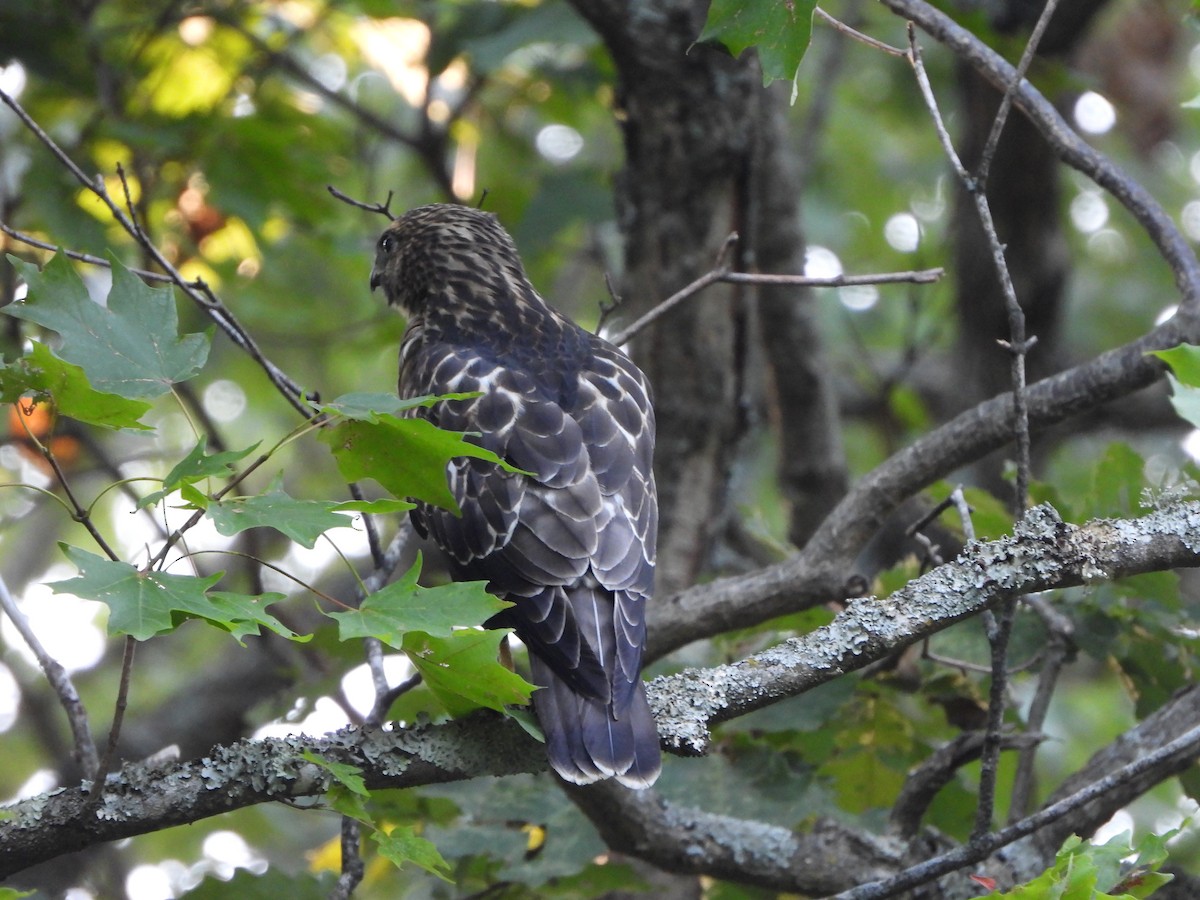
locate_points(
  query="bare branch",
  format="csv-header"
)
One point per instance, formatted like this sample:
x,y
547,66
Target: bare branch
x,y
87,257
993,139
119,707
857,35
60,681
1064,140
722,274
1183,748
820,571
1043,553
384,208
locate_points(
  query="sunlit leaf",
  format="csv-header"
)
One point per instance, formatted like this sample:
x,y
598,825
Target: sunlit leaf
x,y
1184,361
1097,872
1184,379
129,347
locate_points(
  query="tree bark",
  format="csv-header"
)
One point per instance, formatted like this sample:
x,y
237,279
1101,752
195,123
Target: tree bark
x,y
696,124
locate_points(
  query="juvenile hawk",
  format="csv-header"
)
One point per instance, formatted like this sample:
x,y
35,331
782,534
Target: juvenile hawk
x,y
573,544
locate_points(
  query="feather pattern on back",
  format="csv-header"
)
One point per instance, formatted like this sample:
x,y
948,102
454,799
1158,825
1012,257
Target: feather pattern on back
x,y
572,544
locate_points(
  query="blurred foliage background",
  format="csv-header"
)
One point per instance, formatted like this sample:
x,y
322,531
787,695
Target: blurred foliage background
x,y
232,118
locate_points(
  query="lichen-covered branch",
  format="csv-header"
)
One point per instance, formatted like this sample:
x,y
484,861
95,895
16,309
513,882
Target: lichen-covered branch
x,y
1044,553
814,861
819,572
139,798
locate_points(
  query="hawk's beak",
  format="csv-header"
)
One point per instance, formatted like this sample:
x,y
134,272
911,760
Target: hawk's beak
x,y
376,279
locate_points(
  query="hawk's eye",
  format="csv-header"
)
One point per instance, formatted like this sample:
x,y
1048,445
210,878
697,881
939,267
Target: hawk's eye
x,y
387,243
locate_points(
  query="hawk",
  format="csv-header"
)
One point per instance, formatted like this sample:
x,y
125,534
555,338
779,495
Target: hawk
x,y
572,543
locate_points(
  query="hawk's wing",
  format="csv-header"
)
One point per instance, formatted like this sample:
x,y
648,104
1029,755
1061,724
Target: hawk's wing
x,y
585,517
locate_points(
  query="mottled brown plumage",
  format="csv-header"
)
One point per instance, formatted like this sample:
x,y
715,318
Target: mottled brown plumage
x,y
572,544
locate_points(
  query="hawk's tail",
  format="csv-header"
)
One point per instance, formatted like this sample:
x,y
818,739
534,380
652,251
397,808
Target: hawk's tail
x,y
588,740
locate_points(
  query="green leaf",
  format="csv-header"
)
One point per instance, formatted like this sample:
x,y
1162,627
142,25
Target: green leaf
x,y
197,466
143,604
780,31
1097,872
129,347
403,845
381,507
1186,400
372,407
407,456
244,614
1184,361
42,373
1118,482
463,670
301,520
405,606
343,773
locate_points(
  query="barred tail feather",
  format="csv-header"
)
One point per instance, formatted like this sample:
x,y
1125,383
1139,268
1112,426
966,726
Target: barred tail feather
x,y
586,742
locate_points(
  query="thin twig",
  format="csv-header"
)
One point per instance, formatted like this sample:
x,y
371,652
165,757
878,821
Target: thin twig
x,y
1061,649
60,681
1185,746
78,512
352,861
915,276
723,274
114,731
964,512
1006,102
613,304
1068,145
87,257
384,701
384,208
627,334
857,35
385,565
999,629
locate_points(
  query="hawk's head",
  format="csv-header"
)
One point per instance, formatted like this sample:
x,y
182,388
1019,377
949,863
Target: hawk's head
x,y
422,252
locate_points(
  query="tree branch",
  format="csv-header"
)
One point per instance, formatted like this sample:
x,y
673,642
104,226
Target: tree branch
x,y
1063,139
1044,553
819,572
